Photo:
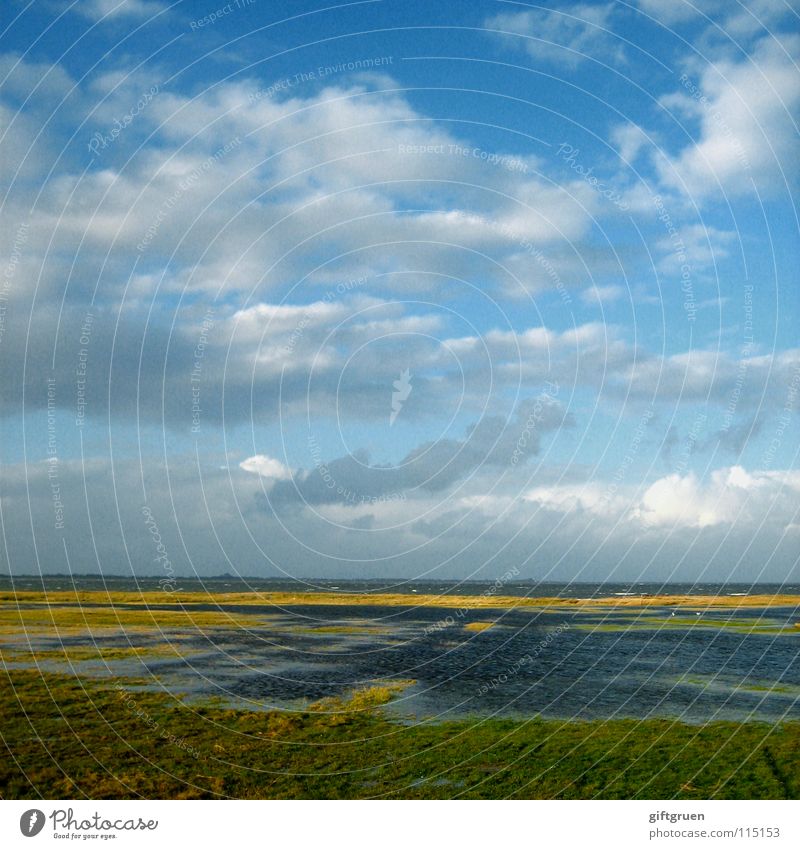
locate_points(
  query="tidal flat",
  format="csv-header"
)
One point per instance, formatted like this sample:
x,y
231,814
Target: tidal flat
x,y
125,694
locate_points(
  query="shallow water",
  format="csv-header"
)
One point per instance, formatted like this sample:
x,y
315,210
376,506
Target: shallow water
x,y
738,664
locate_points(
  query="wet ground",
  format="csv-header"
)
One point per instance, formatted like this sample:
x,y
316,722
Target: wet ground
x,y
697,666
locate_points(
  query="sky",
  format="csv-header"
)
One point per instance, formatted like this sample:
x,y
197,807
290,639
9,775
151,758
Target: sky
x,y
395,289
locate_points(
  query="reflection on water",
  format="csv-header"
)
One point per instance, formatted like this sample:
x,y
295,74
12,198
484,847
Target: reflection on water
x,y
665,662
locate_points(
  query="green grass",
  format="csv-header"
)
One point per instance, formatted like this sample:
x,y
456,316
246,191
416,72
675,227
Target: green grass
x,y
64,737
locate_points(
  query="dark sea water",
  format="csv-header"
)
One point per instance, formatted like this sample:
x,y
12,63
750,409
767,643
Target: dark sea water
x,y
692,664
502,586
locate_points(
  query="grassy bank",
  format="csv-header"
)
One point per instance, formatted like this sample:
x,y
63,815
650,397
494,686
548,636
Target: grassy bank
x,y
63,737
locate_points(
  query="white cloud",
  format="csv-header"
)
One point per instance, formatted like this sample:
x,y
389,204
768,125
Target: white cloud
x,y
758,16
729,495
726,497
266,467
700,247
712,375
575,529
588,498
299,175
747,131
629,139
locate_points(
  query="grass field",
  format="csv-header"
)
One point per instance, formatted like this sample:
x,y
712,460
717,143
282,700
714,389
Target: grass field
x,y
68,738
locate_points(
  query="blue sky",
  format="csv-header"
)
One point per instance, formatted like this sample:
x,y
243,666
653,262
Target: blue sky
x,y
229,231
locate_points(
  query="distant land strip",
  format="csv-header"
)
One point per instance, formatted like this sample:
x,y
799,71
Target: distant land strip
x,y
287,599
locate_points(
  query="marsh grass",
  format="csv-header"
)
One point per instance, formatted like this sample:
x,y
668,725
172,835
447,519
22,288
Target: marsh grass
x,y
67,738
77,653
281,599
48,619
361,698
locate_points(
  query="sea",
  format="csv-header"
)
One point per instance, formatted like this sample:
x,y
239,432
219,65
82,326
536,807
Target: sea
x,y
500,586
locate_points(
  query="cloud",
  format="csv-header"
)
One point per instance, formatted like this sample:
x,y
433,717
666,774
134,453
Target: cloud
x,y
630,139
746,111
567,36
264,186
735,20
602,294
729,495
714,376
493,443
587,498
266,467
249,206
344,227
211,521
726,497
111,9
670,12
695,250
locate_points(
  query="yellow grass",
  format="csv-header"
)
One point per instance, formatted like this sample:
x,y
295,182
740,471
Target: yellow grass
x,y
478,626
287,599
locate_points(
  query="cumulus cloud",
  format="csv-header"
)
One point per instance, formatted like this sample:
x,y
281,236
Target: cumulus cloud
x,y
726,496
714,376
746,111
